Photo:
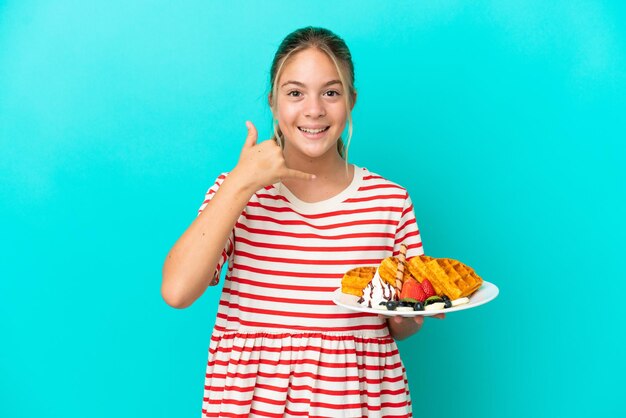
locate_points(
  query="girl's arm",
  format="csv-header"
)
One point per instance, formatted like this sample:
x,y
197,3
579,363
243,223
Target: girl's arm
x,y
190,264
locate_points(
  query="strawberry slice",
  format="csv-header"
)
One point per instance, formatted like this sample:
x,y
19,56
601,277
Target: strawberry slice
x,y
428,288
412,289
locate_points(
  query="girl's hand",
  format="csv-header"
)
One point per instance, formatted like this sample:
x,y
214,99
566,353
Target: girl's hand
x,y
403,327
263,164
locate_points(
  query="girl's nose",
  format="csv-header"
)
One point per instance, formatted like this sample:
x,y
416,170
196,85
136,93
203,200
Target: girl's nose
x,y
315,107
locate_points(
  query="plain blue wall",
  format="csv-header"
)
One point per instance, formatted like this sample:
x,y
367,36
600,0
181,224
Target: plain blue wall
x,y
502,118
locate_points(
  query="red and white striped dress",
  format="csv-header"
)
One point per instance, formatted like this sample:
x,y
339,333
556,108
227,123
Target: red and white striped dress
x,y
280,346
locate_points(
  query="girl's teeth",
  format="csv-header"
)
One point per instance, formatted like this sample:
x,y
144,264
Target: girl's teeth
x,y
313,131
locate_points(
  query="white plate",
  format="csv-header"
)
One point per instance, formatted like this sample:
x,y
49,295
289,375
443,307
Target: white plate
x,y
486,293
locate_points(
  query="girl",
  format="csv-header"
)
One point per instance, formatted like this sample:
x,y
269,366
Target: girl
x,y
291,218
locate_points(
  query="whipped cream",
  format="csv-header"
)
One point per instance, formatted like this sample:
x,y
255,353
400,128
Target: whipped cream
x,y
376,291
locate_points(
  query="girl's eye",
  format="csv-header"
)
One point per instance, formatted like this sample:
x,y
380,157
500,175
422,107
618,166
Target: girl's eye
x,y
332,93
294,93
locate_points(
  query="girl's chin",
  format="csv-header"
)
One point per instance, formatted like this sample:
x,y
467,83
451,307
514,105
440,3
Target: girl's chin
x,y
312,149
317,150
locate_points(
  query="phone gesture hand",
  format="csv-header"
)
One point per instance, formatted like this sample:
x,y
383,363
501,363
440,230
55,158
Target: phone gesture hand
x,y
263,163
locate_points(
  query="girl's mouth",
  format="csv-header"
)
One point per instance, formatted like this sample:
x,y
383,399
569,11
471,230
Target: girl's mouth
x,y
313,131
317,133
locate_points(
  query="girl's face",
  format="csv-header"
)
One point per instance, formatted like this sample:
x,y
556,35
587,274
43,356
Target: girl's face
x,y
310,105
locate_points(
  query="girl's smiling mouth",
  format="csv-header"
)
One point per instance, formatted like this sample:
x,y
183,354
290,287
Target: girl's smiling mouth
x,y
313,132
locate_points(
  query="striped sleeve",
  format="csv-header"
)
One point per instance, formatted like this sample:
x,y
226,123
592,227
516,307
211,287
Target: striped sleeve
x,y
228,246
407,232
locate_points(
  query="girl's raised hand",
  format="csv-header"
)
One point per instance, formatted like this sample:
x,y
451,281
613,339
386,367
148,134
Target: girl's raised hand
x,y
262,164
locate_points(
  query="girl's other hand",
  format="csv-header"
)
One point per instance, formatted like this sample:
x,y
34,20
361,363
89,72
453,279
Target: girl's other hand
x,y
403,327
262,164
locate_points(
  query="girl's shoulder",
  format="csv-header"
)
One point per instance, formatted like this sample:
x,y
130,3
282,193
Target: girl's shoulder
x,y
374,180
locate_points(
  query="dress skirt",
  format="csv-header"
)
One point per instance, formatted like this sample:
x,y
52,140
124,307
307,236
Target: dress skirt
x,y
263,374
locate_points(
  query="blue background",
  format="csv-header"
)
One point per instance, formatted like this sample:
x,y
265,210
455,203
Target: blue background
x,y
502,118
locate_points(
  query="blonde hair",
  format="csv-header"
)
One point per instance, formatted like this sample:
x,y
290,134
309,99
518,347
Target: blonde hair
x,y
337,50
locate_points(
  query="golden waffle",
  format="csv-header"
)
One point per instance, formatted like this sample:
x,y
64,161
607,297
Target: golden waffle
x,y
355,280
449,277
388,268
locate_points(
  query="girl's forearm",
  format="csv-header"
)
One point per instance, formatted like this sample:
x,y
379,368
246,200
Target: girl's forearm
x,y
190,264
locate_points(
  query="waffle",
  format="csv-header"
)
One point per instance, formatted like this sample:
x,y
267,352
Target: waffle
x,y
388,268
449,277
355,280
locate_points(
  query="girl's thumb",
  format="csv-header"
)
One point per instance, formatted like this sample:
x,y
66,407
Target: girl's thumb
x,y
252,134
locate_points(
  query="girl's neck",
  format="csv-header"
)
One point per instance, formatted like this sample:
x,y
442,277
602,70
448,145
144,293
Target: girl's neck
x,y
332,177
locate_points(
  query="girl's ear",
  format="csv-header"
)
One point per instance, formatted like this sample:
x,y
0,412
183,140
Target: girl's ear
x,y
353,101
269,99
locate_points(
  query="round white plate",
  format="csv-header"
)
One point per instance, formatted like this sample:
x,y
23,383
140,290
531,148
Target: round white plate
x,y
486,293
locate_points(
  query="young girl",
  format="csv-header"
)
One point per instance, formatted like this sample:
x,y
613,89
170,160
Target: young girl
x,y
291,218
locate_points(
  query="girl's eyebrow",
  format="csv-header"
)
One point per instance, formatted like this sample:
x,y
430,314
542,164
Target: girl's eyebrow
x,y
297,83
